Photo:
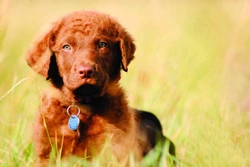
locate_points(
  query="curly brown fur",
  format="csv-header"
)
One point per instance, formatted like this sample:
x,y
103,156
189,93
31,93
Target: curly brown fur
x,y
82,55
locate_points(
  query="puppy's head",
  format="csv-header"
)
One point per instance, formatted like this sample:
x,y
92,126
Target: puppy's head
x,y
82,52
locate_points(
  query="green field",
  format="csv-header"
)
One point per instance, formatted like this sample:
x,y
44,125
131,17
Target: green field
x,y
191,69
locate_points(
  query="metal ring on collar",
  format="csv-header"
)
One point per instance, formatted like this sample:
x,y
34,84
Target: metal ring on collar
x,y
73,106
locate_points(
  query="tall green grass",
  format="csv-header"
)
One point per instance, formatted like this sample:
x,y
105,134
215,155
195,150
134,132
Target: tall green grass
x,y
191,69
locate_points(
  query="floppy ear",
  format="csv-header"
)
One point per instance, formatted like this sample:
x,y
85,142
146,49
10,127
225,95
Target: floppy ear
x,y
127,48
39,53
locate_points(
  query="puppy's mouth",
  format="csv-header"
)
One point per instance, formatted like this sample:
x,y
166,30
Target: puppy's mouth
x,y
87,92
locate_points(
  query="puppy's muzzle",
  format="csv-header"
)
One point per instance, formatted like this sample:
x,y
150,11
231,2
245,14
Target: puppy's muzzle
x,y
85,71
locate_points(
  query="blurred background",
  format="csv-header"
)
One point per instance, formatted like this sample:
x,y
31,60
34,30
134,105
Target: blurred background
x,y
191,69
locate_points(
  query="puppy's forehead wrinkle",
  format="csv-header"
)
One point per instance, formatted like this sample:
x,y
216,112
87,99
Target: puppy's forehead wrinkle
x,y
82,28
89,23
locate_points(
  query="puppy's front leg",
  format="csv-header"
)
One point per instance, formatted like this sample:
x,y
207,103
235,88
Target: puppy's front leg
x,y
42,142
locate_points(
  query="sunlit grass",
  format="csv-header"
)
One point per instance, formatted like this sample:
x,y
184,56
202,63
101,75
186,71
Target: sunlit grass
x,y
191,69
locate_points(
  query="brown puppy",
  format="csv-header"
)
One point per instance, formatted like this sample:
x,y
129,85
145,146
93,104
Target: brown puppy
x,y
82,54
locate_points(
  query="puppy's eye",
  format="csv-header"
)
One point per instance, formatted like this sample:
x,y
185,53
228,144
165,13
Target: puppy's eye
x,y
102,44
66,47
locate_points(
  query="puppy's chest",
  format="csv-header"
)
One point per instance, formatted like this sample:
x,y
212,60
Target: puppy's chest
x,y
90,124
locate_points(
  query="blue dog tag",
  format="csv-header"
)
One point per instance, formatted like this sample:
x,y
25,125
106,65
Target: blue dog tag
x,y
74,122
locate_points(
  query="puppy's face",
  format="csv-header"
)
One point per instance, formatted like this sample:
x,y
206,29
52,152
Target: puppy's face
x,y
86,59
86,52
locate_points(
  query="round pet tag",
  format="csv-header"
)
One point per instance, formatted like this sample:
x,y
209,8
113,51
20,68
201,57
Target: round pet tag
x,y
74,122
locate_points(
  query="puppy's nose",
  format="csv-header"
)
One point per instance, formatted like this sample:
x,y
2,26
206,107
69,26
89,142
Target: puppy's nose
x,y
85,71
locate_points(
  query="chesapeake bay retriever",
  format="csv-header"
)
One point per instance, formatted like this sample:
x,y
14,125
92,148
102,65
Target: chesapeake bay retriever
x,y
85,111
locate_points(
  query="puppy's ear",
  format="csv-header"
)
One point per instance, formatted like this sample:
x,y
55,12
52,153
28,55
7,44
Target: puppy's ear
x,y
127,48
39,53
